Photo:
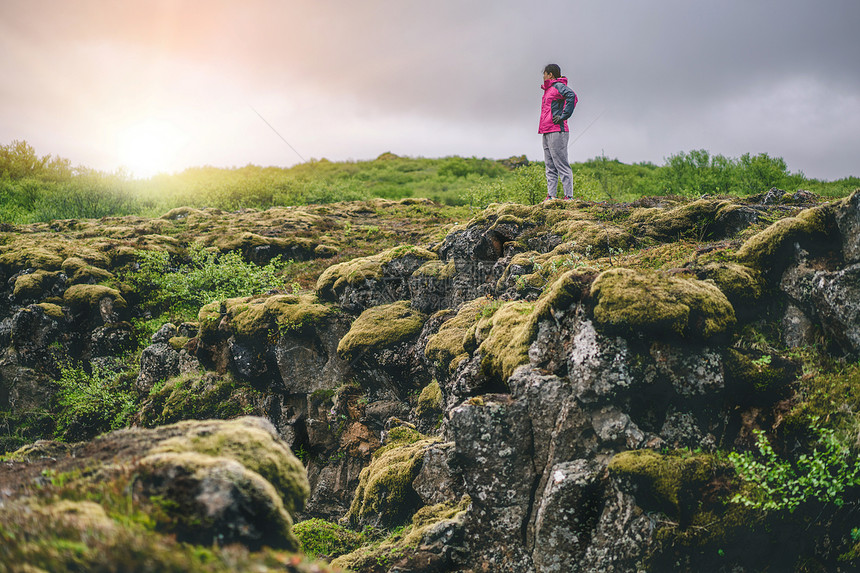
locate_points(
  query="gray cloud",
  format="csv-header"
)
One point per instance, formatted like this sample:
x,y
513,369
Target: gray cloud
x,y
436,78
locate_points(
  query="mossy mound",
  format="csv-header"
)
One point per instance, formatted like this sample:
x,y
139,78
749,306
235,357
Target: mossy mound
x,y
218,497
199,397
765,375
384,496
446,347
669,483
767,250
630,301
247,243
80,271
436,270
742,285
507,335
429,401
594,237
381,327
32,285
403,542
250,317
336,278
89,296
250,444
696,220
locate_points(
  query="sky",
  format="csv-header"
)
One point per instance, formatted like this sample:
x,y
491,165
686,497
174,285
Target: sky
x,y
162,85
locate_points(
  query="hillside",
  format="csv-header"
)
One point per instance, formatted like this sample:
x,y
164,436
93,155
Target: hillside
x,y
668,383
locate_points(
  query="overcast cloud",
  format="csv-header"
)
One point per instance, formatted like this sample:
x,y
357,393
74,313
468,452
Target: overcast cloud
x,y
349,80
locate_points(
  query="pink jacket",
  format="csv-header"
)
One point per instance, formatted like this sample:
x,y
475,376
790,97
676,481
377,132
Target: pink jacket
x,y
558,102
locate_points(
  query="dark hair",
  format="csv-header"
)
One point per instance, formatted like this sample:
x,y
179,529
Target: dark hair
x,y
553,70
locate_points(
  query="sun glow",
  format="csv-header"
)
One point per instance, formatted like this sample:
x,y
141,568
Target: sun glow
x,y
149,147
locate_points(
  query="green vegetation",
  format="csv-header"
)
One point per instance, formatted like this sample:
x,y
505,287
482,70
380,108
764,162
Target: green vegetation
x,y
93,403
34,188
323,539
773,483
180,288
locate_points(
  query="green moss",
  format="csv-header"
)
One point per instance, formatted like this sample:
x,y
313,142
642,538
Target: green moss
x,y
446,347
250,317
55,311
178,513
669,483
323,539
436,269
384,491
178,342
593,237
430,401
381,327
253,447
693,220
335,279
246,242
764,250
80,271
31,285
80,296
199,397
742,285
406,540
208,318
510,332
656,303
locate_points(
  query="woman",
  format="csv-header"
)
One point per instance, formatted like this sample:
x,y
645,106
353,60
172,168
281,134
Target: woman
x,y
556,107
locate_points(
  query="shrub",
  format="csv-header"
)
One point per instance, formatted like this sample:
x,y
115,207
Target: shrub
x,y
778,484
92,403
208,276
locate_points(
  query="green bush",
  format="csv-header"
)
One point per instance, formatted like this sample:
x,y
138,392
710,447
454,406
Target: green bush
x,y
205,277
92,403
773,483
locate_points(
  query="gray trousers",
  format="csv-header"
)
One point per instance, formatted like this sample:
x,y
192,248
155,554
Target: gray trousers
x,y
557,165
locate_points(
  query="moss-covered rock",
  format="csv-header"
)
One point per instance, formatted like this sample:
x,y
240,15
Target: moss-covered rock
x,y
199,397
33,284
55,311
336,278
203,498
385,496
446,347
381,327
769,249
250,317
631,301
701,219
80,271
669,483
250,444
424,530
593,237
429,401
509,333
89,296
742,285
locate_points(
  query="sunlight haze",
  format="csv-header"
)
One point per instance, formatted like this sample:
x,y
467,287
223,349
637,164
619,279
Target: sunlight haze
x,y
165,85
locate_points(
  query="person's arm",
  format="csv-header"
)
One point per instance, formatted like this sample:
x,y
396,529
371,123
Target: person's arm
x,y
569,101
